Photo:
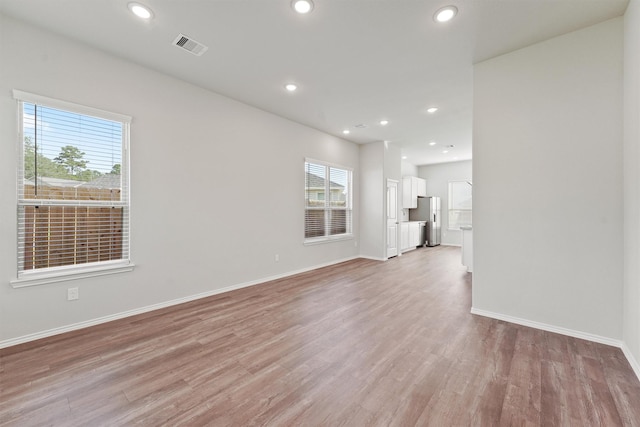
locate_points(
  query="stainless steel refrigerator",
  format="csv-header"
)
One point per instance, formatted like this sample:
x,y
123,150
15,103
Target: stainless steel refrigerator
x,y
428,210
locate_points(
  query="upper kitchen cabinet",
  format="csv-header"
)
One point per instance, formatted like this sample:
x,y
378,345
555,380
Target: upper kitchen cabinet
x,y
412,188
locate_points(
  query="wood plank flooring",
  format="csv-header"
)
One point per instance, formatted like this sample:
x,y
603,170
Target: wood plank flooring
x,y
363,343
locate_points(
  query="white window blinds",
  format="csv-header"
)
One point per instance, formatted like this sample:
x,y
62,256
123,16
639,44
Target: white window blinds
x,y
328,201
73,198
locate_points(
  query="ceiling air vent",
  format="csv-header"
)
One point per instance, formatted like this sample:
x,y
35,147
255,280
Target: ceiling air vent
x,y
190,45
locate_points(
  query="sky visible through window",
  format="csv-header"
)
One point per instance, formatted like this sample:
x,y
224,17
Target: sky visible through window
x,y
99,140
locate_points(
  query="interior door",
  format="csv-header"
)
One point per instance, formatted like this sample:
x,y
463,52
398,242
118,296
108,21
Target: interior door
x,y
392,218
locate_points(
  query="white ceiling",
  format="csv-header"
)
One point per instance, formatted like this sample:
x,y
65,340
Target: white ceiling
x,y
355,61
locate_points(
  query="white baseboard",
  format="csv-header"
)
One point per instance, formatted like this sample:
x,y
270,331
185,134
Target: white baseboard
x,y
564,331
373,258
548,328
85,324
632,360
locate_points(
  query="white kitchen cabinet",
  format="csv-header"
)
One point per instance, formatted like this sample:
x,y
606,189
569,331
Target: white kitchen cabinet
x,y
407,194
410,235
414,234
404,237
421,187
412,188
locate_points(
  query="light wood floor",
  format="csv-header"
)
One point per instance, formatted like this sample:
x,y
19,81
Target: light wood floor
x,y
357,344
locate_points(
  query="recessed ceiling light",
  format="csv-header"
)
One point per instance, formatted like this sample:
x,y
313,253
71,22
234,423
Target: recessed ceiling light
x,y
346,131
432,110
290,87
384,122
302,6
432,143
445,14
404,157
445,151
140,11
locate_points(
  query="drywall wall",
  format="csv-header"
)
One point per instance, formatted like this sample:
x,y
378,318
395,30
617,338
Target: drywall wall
x,y
372,193
392,163
438,177
379,161
217,186
408,169
631,320
547,183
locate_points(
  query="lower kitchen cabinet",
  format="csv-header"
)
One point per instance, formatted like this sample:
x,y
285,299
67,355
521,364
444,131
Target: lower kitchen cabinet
x,y
404,236
414,234
410,235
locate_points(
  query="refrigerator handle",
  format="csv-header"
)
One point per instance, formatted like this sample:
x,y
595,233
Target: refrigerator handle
x,y
434,217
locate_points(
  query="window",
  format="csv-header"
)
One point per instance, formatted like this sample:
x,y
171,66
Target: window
x,y
328,205
73,198
459,204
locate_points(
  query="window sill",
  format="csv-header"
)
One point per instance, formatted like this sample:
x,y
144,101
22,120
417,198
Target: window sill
x,y
321,240
42,278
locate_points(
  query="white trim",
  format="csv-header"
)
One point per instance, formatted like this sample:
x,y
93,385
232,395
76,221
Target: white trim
x,y
75,271
564,331
632,360
73,327
72,203
328,239
64,273
374,258
549,328
69,106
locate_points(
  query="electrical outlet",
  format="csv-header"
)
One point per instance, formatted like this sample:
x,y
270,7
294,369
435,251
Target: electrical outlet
x,y
72,294
277,257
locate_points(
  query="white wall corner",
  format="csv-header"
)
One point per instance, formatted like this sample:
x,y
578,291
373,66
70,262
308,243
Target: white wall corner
x,y
563,331
635,365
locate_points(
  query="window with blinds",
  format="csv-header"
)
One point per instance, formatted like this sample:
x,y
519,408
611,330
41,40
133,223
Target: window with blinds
x,y
73,198
328,202
460,204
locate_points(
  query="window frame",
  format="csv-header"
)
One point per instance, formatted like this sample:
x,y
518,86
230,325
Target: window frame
x,y
450,201
327,237
40,276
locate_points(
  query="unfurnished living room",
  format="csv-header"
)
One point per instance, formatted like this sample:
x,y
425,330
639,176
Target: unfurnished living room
x,y
320,213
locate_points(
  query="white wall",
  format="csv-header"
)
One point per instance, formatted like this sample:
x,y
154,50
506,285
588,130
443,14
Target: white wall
x,y
217,186
547,176
372,193
406,169
632,182
438,177
379,161
392,163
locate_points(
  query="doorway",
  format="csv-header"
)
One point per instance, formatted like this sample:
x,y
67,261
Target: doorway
x,y
392,218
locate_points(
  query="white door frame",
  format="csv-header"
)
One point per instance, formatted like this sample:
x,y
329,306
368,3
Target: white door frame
x,y
392,221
